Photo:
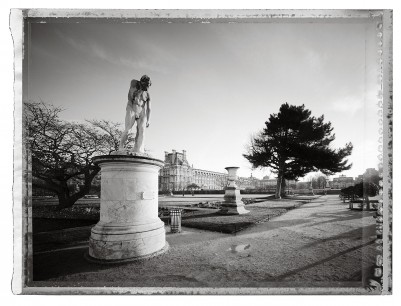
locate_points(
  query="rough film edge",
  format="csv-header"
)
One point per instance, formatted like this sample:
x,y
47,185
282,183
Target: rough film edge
x,y
199,291
387,156
201,13
19,244
381,282
236,12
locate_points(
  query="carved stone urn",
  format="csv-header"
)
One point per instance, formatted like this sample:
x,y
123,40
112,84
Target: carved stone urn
x,y
232,204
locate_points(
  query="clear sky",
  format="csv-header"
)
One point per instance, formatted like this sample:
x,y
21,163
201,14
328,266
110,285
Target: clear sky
x,y
213,85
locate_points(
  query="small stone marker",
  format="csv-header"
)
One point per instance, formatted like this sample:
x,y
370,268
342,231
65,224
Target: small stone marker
x,y
148,195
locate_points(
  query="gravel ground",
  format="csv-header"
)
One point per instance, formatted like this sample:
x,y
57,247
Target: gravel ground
x,y
321,244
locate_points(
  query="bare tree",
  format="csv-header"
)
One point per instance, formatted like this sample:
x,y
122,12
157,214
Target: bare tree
x,y
301,185
62,151
318,180
321,181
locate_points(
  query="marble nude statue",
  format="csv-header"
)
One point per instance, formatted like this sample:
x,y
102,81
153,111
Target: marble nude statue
x,y
137,112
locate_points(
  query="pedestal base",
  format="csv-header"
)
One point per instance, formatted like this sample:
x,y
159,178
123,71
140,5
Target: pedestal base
x,y
117,242
119,261
232,204
129,226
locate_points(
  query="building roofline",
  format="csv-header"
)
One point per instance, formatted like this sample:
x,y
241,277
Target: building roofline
x,y
209,171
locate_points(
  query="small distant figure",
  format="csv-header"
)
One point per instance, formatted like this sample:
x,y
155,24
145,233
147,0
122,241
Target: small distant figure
x,y
137,111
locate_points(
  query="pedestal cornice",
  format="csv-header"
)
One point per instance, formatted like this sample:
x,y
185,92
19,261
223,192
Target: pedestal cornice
x,y
127,159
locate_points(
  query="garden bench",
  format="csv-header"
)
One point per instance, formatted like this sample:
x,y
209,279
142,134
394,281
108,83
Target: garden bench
x,y
361,203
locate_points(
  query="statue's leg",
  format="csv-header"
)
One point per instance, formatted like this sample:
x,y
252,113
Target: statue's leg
x,y
140,137
123,139
129,122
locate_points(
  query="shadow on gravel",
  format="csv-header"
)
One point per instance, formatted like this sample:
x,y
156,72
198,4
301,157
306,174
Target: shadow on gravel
x,y
40,225
65,262
319,262
355,234
333,218
342,216
285,223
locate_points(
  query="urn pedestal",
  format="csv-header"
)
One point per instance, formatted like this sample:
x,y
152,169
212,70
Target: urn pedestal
x,y
129,226
232,204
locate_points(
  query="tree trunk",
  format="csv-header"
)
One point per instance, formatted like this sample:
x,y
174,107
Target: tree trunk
x,y
279,184
283,186
66,199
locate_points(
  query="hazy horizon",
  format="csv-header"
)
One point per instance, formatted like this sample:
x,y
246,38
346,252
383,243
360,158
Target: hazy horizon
x,y
215,84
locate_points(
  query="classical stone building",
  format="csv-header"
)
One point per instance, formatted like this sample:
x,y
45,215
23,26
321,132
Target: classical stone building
x,y
248,182
268,183
177,174
342,182
209,180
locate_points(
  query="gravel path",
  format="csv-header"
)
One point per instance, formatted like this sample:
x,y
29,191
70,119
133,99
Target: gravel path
x,y
321,244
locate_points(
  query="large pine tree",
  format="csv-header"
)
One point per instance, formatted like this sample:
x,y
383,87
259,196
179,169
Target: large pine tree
x,y
294,143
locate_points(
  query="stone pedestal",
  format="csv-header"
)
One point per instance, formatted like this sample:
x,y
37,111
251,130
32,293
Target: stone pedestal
x,y
129,226
232,204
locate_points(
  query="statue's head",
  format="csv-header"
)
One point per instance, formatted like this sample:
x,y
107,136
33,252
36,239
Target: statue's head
x,y
145,82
